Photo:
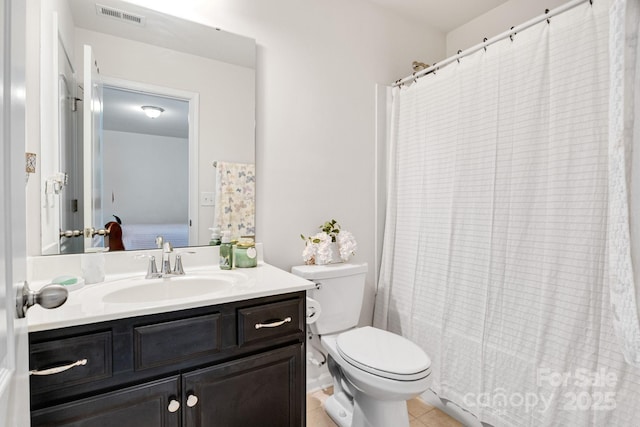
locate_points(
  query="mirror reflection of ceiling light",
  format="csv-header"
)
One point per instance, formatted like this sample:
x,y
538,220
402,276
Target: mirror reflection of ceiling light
x,y
151,111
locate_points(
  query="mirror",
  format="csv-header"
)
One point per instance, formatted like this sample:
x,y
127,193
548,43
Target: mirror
x,y
112,160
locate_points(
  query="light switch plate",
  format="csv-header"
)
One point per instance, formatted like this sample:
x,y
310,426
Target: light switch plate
x,y
207,198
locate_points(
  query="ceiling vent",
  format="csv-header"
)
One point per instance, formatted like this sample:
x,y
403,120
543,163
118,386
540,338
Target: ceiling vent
x,y
120,15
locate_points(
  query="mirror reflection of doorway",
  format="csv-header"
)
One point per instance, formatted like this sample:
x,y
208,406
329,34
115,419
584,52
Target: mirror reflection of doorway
x,y
145,167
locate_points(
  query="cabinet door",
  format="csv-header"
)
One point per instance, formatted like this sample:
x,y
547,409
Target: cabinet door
x,y
265,390
143,405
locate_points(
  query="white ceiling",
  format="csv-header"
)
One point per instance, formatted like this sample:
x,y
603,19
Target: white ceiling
x,y
122,112
444,15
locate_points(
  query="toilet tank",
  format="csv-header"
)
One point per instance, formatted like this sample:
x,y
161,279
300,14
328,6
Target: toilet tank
x,y
339,290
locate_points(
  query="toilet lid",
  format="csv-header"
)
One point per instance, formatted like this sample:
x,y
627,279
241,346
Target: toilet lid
x,y
383,353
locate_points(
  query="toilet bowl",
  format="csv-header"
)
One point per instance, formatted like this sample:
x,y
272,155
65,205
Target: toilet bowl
x,y
382,371
374,371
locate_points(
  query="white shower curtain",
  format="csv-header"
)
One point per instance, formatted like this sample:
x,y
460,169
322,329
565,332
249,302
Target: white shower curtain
x,y
624,176
495,249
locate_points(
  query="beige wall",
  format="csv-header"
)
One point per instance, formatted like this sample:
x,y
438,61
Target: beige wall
x,y
496,21
145,178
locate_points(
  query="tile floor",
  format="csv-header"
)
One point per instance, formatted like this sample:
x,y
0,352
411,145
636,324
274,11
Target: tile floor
x,y
420,414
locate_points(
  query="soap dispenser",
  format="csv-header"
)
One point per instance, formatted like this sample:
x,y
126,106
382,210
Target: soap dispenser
x,y
226,251
215,236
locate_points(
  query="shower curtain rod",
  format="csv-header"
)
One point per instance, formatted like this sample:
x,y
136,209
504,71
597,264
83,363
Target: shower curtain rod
x,y
510,33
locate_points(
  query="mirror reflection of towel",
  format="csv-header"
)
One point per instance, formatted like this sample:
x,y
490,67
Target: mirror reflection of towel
x,y
235,198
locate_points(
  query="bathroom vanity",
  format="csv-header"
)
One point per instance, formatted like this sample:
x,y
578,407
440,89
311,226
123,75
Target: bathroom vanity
x,y
232,358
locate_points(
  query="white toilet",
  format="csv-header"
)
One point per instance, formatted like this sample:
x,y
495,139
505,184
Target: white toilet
x,y
374,371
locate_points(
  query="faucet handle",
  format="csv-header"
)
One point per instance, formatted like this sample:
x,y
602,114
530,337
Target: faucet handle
x,y
177,267
152,269
166,247
159,241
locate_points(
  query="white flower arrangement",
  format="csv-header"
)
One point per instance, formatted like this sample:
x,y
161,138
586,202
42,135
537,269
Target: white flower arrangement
x,y
347,245
319,248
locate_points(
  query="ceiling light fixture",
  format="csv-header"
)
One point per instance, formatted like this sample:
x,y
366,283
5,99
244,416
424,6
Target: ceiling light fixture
x,y
151,111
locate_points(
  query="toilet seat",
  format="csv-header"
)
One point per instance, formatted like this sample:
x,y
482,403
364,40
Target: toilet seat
x,y
384,354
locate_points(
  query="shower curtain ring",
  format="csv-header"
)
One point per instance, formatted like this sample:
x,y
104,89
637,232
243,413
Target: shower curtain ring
x,y
546,11
512,34
459,52
484,40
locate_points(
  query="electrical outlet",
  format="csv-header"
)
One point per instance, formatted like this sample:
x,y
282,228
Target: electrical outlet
x,y
207,198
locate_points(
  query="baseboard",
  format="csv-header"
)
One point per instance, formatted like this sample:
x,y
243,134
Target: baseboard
x,y
318,383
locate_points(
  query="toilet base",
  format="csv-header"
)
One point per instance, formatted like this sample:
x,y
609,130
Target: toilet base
x,y
340,409
370,412
366,412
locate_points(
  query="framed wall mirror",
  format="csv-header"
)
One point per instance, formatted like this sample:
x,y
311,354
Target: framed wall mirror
x,y
104,159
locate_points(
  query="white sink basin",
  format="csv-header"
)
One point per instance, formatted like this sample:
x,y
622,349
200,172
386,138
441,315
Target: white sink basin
x,y
171,288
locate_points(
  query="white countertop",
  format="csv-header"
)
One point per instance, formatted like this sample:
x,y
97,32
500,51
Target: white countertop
x,y
87,305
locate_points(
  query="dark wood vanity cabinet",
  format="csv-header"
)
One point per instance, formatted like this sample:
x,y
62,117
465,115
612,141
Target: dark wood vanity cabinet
x,y
235,364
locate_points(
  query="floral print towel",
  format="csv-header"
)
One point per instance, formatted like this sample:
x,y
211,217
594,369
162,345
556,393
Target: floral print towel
x,y
235,198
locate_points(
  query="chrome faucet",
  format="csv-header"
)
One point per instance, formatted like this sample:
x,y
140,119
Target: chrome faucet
x,y
165,266
166,258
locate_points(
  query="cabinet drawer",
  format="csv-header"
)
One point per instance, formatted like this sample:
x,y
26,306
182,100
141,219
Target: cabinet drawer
x,y
269,321
70,361
177,340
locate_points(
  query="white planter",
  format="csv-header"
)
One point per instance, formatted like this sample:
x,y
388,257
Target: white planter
x,y
335,255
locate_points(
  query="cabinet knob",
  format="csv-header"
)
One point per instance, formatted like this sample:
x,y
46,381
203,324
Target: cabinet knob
x,y
174,405
192,400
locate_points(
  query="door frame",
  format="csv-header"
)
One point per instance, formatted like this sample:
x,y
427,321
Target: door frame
x,y
193,99
14,377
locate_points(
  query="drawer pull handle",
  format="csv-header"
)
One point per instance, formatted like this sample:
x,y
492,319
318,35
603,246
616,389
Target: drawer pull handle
x,y
274,324
174,405
192,400
58,369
